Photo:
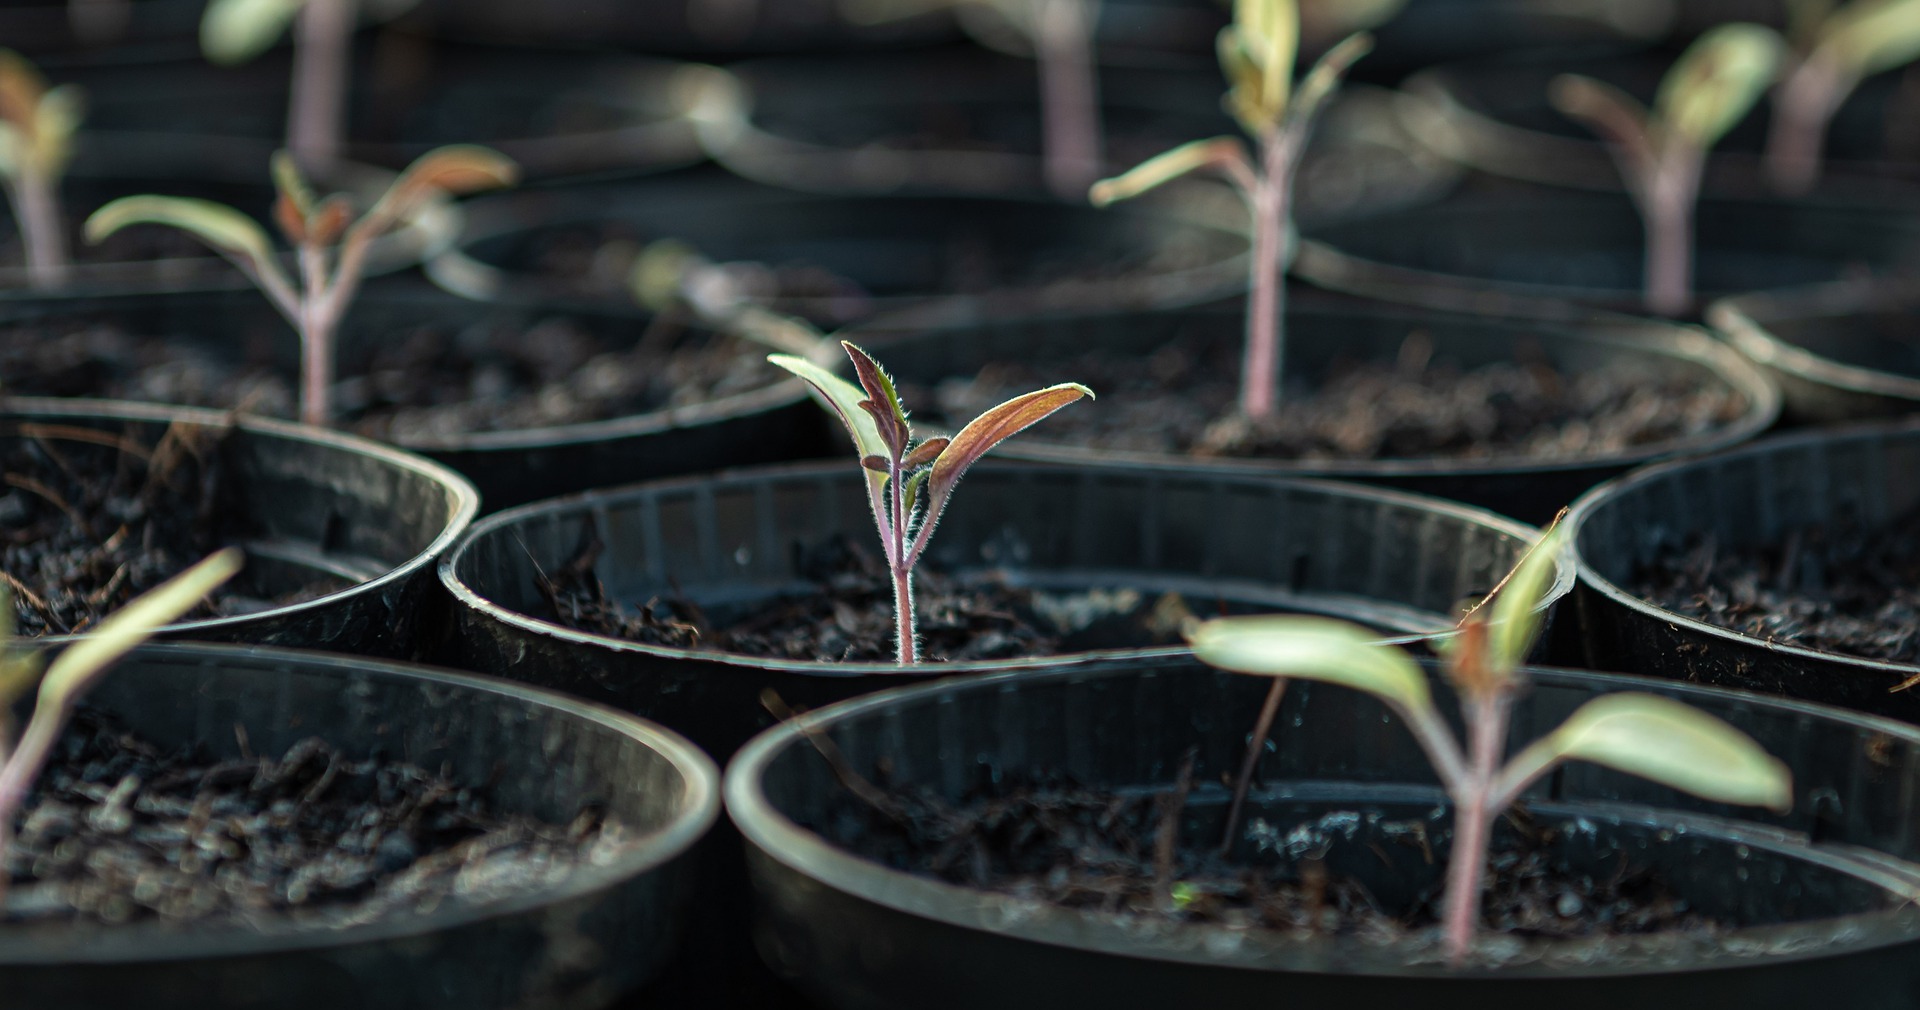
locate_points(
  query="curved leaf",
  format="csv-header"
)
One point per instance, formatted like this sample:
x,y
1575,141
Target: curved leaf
x,y
1314,648
456,170
990,429
1327,73
1870,36
1716,81
1663,740
1515,619
217,225
132,624
889,417
1166,167
235,31
1269,32
841,397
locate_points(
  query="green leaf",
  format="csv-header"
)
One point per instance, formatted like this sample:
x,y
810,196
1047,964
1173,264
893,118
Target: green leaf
x,y
993,427
1870,36
841,397
1663,740
1269,31
1165,167
1314,648
62,110
235,31
1327,73
132,624
1515,621
217,225
1716,81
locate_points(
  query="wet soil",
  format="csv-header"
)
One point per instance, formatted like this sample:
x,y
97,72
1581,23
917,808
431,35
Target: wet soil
x,y
1182,398
1133,852
119,830
420,381
849,616
1836,587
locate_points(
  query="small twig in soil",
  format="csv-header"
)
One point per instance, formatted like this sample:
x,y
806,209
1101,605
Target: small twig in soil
x,y
44,433
31,486
33,600
850,779
1258,742
1167,837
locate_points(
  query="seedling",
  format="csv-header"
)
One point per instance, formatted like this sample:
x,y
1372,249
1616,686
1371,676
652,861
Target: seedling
x,y
329,242
1837,50
1662,152
37,124
1060,33
1641,734
909,482
1257,54
76,670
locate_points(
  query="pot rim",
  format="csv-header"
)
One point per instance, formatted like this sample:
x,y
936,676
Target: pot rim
x,y
146,942
1744,321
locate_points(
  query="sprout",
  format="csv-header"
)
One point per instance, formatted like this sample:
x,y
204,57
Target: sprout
x,y
330,243
37,124
1839,49
1662,152
1257,54
77,669
1640,734
909,482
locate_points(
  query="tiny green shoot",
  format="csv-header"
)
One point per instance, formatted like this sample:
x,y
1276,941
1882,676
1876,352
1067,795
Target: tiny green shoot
x,y
1836,49
1257,54
1642,734
330,243
1662,152
77,669
910,481
37,124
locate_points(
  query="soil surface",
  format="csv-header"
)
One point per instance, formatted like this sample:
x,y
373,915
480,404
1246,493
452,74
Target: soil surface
x,y
87,526
1181,399
850,617
421,381
1078,847
1835,587
119,830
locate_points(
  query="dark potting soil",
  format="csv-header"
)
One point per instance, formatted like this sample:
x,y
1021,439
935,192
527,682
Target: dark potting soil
x,y
1836,587
1057,841
849,616
423,381
119,830
90,519
1182,398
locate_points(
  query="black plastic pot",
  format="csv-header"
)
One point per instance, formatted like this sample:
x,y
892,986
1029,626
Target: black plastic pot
x,y
1320,340
241,333
602,932
1394,562
1839,352
1744,498
907,261
1548,253
307,503
855,934
705,28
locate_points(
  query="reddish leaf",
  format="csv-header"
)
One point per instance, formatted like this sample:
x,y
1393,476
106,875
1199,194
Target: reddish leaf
x,y
877,464
884,400
287,218
993,427
927,452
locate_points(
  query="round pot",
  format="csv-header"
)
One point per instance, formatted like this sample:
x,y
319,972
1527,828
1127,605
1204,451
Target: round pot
x,y
1839,351
1560,254
307,503
854,933
604,930
1320,340
961,121
243,340
1748,497
894,261
1395,562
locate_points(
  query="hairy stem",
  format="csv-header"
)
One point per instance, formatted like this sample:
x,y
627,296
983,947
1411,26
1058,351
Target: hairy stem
x,y
1473,823
1803,105
317,326
322,49
36,205
1069,93
1667,205
907,649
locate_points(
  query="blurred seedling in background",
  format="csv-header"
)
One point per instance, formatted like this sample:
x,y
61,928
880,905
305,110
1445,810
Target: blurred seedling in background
x,y
739,297
236,31
37,124
1663,151
1834,50
909,482
1642,734
76,670
330,243
1257,54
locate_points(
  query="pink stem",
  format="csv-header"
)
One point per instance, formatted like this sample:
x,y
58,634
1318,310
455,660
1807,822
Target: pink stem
x,y
1266,307
36,204
1803,104
322,48
1473,823
907,650
318,323
1668,208
1069,94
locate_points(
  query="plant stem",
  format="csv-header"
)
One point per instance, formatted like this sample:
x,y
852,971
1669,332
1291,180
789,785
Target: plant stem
x,y
36,205
907,648
1473,822
317,325
1803,104
1069,94
322,49
1266,307
1667,205
1262,727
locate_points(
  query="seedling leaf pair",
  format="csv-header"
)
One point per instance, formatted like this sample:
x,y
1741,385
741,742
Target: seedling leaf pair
x,y
1839,48
37,125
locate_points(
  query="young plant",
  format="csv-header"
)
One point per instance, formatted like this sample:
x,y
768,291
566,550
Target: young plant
x,y
1060,32
1837,50
1257,54
1641,734
1662,152
75,671
329,242
909,482
37,124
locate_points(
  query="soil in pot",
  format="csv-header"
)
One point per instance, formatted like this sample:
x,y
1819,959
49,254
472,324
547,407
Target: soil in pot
x,y
120,830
